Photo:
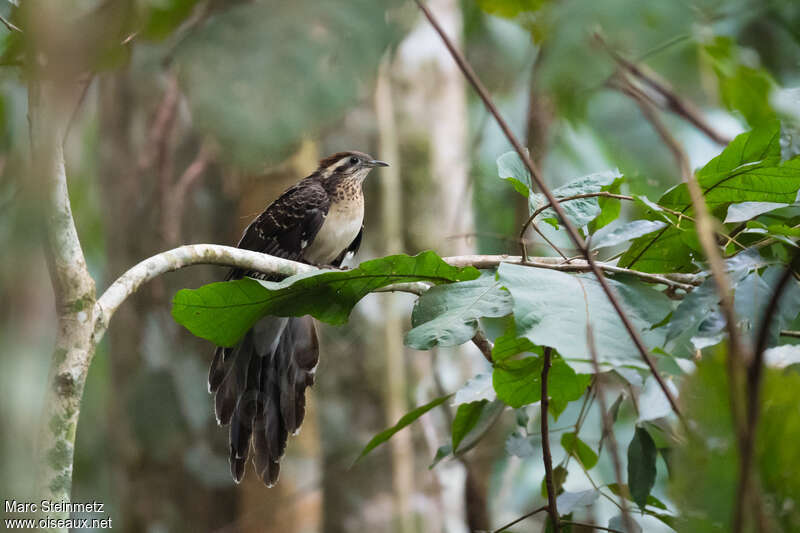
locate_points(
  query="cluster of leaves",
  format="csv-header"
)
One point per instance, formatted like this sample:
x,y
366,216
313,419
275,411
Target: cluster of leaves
x,y
750,190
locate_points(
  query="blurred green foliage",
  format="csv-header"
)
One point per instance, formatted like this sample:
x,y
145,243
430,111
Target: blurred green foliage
x,y
262,76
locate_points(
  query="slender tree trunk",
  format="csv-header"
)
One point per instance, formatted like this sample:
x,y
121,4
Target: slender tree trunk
x,y
49,105
392,328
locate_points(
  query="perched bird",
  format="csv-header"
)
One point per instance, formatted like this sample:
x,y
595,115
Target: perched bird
x,y
260,383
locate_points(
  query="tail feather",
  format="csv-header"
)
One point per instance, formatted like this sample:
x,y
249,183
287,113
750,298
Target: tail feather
x,y
260,390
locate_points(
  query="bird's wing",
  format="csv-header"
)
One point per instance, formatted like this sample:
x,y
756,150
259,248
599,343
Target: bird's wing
x,y
288,225
350,250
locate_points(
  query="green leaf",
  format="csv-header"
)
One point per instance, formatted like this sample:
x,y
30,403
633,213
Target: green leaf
x,y
569,501
627,232
550,309
509,8
610,208
559,477
581,451
508,345
443,451
477,388
651,500
466,417
642,455
406,420
489,414
519,382
165,16
519,186
749,210
581,211
743,88
748,170
223,312
511,168
448,315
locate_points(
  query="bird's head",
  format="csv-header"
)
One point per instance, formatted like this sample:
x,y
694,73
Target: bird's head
x,y
353,165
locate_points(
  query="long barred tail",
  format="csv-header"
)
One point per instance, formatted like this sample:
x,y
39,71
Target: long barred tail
x,y
259,388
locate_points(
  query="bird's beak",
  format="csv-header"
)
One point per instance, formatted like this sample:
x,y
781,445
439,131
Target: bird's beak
x,y
376,163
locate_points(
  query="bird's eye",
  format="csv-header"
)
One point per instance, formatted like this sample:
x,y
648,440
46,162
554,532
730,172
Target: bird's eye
x,y
353,160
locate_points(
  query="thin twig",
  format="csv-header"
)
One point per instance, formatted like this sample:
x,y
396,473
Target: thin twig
x,y
592,526
552,506
520,519
483,344
685,282
10,25
790,333
536,178
672,101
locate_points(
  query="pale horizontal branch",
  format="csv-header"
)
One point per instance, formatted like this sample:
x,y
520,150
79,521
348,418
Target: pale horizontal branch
x,y
184,256
229,256
686,282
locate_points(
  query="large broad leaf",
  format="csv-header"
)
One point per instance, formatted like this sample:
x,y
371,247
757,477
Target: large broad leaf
x,y
223,312
477,388
642,456
626,232
261,76
448,315
553,308
407,419
748,170
583,210
749,210
519,382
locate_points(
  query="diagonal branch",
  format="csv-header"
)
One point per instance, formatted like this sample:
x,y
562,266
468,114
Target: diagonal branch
x,y
536,177
670,100
552,506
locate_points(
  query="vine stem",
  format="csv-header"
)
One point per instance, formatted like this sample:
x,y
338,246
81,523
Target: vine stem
x,y
472,78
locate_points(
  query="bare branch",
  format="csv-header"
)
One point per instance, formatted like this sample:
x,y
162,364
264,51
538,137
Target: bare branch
x,y
552,506
520,519
483,344
685,282
183,256
537,179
